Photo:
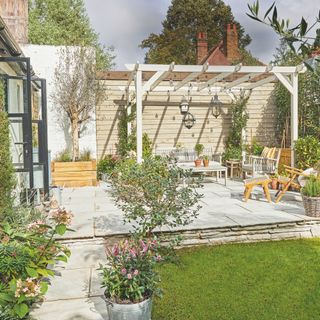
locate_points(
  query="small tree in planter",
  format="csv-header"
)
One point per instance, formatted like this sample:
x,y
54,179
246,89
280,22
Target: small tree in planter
x,y
198,148
76,90
151,195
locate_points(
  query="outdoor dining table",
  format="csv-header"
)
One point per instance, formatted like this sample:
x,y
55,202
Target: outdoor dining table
x,y
214,167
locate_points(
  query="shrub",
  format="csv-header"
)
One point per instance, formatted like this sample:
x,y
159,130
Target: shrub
x,y
130,276
151,195
307,151
63,156
7,175
107,165
232,152
312,187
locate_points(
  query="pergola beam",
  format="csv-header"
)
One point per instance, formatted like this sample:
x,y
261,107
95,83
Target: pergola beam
x,y
240,80
191,77
157,78
285,81
260,83
132,74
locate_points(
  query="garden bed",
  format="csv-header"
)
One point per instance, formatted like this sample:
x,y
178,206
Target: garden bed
x,y
271,280
74,174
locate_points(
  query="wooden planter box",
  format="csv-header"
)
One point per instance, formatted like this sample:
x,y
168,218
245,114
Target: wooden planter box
x,y
74,174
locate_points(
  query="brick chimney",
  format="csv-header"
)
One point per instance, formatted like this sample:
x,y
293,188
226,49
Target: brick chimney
x,y
232,43
202,46
15,15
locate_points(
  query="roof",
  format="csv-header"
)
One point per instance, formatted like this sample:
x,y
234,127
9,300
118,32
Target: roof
x,y
216,56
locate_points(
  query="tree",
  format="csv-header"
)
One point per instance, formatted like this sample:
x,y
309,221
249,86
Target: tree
x,y
185,18
65,22
296,37
76,90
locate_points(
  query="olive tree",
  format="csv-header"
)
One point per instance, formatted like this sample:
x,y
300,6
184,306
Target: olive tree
x,y
76,90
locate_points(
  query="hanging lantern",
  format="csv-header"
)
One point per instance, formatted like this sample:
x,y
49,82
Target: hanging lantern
x,y
216,105
184,105
189,120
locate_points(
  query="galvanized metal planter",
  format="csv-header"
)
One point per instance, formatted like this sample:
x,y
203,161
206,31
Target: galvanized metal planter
x,y
135,311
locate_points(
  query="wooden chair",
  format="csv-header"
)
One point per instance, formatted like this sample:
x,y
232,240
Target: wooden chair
x,y
253,182
267,163
290,181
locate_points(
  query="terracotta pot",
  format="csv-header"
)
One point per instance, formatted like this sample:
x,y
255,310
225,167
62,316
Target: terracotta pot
x,y
197,163
206,163
274,184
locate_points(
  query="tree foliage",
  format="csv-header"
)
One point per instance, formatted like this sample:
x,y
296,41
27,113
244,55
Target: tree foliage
x,y
77,91
296,37
65,22
185,18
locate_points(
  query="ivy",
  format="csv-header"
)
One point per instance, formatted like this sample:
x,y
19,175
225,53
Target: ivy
x,y
239,119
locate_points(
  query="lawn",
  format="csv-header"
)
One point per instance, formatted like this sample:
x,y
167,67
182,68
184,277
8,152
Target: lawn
x,y
270,280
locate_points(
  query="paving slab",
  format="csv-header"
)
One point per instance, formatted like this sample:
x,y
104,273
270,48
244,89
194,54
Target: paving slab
x,y
71,284
93,308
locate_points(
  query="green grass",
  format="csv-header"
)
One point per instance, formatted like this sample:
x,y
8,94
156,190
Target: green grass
x,y
270,280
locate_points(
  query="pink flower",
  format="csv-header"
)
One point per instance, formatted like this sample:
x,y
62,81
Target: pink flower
x,y
129,276
115,251
136,272
124,271
158,258
133,253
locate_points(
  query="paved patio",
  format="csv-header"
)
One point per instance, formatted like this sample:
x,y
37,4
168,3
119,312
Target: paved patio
x,y
76,294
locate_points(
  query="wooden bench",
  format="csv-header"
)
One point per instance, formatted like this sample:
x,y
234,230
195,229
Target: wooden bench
x,y
253,182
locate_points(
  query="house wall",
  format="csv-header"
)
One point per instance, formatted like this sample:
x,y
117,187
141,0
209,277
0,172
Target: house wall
x,y
44,61
163,123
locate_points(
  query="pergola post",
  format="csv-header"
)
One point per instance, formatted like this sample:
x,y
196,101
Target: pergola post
x,y
139,93
294,116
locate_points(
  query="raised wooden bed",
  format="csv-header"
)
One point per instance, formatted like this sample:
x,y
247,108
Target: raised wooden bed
x,y
74,174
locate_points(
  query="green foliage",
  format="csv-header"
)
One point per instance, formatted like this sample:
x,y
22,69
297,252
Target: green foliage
x,y
7,176
239,119
65,22
307,152
255,148
151,195
298,37
63,156
259,274
127,143
308,99
85,155
185,18
106,165
130,276
25,255
198,148
312,187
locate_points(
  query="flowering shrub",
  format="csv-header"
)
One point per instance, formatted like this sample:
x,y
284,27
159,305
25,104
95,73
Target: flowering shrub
x,y
130,275
25,255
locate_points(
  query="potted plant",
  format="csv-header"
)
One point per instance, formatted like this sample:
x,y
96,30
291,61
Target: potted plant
x,y
198,148
206,161
130,279
311,196
274,181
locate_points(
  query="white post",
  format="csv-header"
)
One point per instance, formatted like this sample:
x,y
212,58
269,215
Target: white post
x,y
139,114
294,116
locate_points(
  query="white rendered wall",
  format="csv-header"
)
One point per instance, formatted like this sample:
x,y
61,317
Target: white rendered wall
x,y
44,60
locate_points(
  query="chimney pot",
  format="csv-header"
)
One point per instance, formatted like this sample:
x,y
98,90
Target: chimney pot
x,y
232,43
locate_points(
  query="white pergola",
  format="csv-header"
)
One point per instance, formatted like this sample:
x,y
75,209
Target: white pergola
x,y
246,78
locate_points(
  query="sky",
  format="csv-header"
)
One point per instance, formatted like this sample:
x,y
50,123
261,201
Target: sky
x,y
123,24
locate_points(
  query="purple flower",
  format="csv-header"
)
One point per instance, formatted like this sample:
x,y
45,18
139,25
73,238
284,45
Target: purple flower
x,y
129,276
136,272
124,271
